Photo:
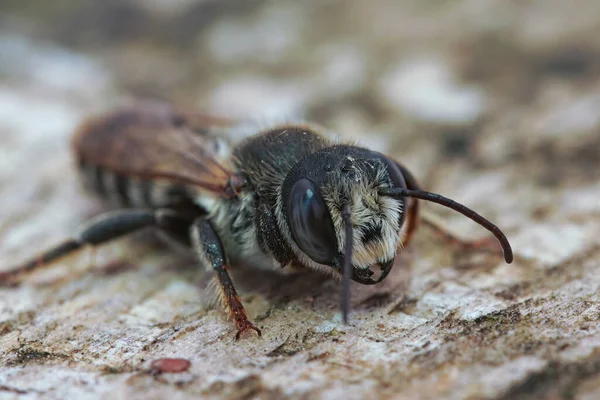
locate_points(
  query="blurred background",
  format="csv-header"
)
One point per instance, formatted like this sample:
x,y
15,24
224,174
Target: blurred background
x,y
400,68
508,76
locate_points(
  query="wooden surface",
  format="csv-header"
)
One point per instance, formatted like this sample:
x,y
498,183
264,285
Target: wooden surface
x,y
494,105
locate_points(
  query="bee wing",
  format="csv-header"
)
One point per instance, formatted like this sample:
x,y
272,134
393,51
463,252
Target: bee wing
x,y
157,141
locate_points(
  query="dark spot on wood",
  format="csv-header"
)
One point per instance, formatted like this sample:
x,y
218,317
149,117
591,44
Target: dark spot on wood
x,y
27,354
5,388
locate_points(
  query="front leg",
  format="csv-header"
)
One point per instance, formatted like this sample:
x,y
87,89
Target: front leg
x,y
209,249
270,238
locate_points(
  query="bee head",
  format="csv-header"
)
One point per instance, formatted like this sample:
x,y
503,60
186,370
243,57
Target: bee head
x,y
335,214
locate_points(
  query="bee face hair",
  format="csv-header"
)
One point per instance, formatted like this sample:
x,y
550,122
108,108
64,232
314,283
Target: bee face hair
x,y
375,219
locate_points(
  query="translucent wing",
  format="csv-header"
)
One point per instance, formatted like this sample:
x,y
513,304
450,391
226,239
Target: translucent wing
x,y
158,141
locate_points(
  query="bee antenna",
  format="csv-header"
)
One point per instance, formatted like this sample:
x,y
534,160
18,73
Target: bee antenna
x,y
346,216
467,212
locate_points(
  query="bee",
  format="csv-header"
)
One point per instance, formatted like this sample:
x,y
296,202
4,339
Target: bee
x,y
287,194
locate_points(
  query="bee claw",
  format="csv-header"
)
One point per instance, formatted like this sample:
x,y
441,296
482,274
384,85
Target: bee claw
x,y
244,327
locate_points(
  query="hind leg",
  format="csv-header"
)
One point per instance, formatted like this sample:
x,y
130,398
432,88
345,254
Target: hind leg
x,y
100,230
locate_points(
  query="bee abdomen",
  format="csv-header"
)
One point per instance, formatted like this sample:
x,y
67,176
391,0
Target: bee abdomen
x,y
127,191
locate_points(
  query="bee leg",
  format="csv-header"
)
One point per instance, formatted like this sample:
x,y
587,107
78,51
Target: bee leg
x,y
101,229
412,221
487,244
210,250
270,238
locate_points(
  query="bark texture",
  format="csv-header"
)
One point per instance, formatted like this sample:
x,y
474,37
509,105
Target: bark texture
x,y
492,103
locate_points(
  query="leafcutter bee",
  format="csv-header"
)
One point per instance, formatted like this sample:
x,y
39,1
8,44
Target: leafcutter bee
x,y
286,194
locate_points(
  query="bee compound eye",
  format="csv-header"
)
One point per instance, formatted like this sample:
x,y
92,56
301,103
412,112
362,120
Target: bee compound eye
x,y
310,222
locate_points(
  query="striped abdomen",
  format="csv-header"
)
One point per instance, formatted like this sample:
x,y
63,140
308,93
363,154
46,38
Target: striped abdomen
x,y
121,190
